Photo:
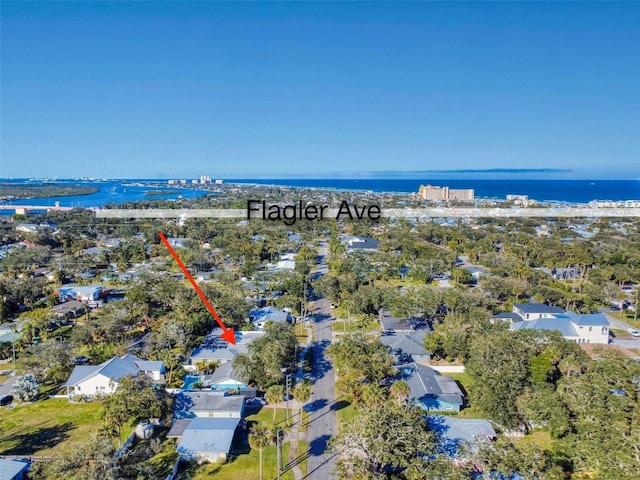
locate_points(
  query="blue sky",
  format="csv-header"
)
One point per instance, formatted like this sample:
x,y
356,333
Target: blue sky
x,y
318,89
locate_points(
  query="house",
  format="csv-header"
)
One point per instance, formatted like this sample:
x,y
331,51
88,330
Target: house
x,y
476,272
90,380
579,328
453,433
70,309
13,469
586,328
259,317
43,272
363,244
401,325
89,293
178,242
206,276
208,439
286,265
224,378
431,391
532,311
208,404
216,349
408,346
27,228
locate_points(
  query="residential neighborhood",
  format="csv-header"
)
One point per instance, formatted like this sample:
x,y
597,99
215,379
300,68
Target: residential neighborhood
x,y
331,330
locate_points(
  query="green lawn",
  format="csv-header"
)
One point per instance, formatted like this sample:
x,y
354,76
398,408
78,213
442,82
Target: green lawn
x,y
163,461
466,382
351,326
537,438
346,412
625,317
46,427
246,466
265,415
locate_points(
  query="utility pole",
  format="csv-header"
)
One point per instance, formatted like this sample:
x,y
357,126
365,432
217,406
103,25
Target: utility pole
x,y
287,379
279,451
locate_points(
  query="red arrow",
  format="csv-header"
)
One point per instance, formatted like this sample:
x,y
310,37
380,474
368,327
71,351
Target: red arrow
x,y
228,333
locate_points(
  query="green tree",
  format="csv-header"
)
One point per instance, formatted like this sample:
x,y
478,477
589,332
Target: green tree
x,y
260,438
381,438
274,395
26,388
400,391
134,400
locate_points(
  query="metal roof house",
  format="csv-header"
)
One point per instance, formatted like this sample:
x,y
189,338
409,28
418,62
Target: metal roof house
x,y
82,294
13,469
579,328
587,328
103,379
430,390
208,439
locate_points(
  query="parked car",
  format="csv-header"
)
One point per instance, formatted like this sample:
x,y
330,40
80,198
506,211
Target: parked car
x,y
633,332
6,399
80,360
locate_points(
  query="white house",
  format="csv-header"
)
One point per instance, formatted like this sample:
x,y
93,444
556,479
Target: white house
x,y
261,316
579,328
82,294
103,379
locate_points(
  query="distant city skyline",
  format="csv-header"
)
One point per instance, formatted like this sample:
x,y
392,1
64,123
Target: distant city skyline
x,y
317,90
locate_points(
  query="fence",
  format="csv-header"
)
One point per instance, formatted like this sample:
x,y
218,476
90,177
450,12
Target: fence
x,y
448,368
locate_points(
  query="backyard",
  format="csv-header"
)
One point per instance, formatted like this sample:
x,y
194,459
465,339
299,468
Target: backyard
x,y
46,427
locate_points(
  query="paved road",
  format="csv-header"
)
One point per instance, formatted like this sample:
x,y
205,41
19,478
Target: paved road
x,y
323,423
624,340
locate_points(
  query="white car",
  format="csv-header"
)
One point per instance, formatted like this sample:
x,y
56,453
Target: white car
x,y
633,332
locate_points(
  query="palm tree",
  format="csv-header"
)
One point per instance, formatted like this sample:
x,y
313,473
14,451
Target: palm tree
x,y
274,394
400,391
260,438
374,394
302,392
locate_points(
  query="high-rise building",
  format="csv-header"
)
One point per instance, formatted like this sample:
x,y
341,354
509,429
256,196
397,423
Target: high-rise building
x,y
435,193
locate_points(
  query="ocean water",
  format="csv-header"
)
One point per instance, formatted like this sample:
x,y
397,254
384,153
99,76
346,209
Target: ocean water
x,y
573,191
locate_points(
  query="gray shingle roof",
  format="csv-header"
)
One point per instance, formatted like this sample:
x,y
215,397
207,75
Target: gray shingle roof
x,y
209,401
537,308
424,382
410,344
114,368
223,372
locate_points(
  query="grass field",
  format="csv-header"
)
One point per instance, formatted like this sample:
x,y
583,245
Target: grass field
x,y
245,466
46,427
538,438
265,415
339,326
627,316
466,382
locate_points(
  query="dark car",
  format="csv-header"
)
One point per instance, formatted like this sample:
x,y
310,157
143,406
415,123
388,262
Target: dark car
x,y
80,360
6,399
